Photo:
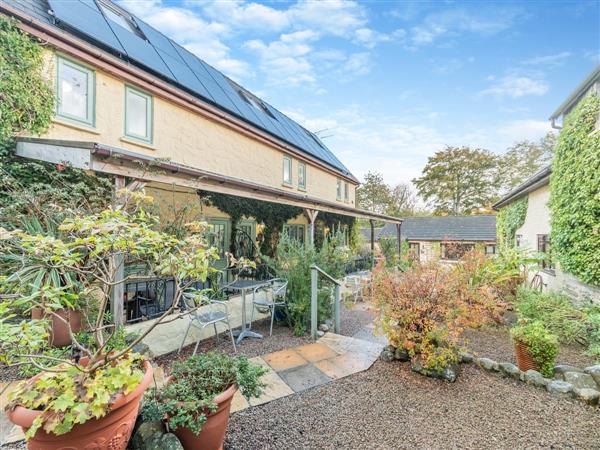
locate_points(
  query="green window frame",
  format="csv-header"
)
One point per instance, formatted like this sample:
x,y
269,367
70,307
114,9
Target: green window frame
x,y
287,170
346,192
295,231
338,188
301,175
147,137
89,118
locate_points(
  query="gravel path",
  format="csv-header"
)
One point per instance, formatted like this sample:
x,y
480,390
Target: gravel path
x,y
496,343
390,407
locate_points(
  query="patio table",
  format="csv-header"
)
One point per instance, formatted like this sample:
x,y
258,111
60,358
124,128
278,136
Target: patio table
x,y
243,286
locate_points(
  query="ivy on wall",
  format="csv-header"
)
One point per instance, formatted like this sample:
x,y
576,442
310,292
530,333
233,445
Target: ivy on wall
x,y
508,220
575,193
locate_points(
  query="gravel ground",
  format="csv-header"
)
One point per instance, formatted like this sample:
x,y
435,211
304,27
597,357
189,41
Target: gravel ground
x,y
390,407
495,343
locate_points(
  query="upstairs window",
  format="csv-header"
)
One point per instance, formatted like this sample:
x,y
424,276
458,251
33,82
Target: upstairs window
x,y
120,17
287,170
338,187
138,115
75,86
346,192
301,175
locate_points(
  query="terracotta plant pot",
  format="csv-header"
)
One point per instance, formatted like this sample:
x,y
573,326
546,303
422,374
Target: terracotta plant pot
x,y
111,432
524,359
213,430
59,333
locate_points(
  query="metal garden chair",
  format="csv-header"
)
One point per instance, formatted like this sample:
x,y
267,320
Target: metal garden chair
x,y
201,316
274,296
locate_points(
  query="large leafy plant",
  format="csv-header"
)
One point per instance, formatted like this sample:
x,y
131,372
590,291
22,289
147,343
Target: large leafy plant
x,y
189,396
93,247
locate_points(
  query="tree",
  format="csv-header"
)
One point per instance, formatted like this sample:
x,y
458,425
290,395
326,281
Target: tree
x,y
458,179
523,159
402,201
373,194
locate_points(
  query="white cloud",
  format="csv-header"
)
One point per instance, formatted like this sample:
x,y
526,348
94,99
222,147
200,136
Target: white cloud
x,y
335,17
519,130
251,16
516,86
370,38
556,59
357,64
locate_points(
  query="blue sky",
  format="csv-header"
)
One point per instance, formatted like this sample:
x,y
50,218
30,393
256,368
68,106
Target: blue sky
x,y
392,82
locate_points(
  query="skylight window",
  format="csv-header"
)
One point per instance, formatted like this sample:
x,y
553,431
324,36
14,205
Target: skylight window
x,y
251,99
120,17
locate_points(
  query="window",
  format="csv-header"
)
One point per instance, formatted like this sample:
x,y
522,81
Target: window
x,y
338,189
301,175
346,192
519,240
453,251
287,170
295,232
414,251
543,246
120,17
138,115
75,86
490,249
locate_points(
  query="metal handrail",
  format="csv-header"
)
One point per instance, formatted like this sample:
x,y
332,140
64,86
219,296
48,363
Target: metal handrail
x,y
314,302
326,275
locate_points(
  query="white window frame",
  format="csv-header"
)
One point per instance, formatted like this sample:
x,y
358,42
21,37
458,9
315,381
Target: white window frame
x,y
338,187
302,176
90,119
149,116
287,161
346,192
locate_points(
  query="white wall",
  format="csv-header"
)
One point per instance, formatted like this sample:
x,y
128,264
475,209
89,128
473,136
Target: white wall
x,y
537,221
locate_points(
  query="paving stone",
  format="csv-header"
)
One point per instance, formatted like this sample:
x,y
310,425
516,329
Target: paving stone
x,y
338,343
276,388
304,377
344,365
316,352
239,402
284,359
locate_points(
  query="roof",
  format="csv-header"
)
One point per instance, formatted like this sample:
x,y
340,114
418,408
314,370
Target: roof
x,y
442,228
540,178
147,48
576,95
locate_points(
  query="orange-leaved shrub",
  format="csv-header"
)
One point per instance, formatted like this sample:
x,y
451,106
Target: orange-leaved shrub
x,y
426,308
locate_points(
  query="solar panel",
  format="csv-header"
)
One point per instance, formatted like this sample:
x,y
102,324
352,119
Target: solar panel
x,y
184,75
86,20
140,50
158,40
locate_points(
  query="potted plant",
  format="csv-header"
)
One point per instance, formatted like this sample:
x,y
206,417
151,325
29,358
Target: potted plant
x,y
196,400
535,347
92,399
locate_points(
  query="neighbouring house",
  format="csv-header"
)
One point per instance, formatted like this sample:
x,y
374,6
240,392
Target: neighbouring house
x,y
444,238
531,200
132,103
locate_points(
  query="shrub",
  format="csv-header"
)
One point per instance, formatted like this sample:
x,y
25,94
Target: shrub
x,y
189,396
425,309
541,344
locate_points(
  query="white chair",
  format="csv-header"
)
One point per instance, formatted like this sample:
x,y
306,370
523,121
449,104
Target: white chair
x,y
354,286
201,316
273,296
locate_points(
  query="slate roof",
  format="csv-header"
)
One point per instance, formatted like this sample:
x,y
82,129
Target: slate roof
x,y
532,183
166,59
451,228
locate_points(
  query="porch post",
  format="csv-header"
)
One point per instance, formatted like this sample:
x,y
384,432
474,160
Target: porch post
x,y
118,262
399,238
312,217
372,222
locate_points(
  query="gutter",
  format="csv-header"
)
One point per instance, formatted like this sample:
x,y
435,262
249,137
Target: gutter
x,y
537,180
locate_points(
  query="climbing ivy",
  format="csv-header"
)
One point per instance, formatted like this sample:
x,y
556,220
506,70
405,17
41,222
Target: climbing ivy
x,y
272,215
510,218
575,193
26,99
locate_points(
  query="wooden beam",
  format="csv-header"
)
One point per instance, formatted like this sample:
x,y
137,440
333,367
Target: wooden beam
x,y
372,222
399,239
312,217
